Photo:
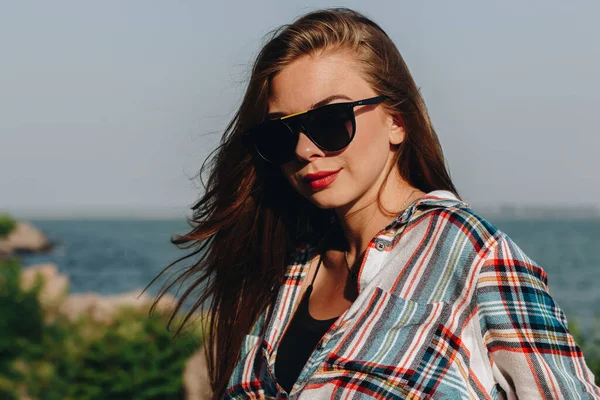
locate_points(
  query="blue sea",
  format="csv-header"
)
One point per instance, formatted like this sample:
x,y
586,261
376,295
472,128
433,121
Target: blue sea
x,y
114,256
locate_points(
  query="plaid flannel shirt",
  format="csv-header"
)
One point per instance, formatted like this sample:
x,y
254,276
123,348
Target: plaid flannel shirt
x,y
448,308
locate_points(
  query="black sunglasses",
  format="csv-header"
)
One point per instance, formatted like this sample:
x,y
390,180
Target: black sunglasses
x,y
330,127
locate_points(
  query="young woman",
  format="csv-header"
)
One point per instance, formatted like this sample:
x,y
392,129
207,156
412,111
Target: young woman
x,y
338,259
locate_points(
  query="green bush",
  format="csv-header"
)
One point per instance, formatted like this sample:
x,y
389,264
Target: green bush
x,y
134,357
7,225
21,324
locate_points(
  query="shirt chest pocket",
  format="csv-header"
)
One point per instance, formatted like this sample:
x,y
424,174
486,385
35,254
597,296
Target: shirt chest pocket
x,y
387,341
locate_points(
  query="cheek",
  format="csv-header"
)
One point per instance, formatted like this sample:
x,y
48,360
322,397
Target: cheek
x,y
371,139
369,151
288,172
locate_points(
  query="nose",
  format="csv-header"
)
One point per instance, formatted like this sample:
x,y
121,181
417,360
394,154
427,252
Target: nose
x,y
306,150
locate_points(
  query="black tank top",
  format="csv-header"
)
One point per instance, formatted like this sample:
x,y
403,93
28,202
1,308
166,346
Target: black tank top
x,y
299,341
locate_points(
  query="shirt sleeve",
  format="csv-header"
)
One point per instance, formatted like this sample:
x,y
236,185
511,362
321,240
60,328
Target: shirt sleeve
x,y
525,331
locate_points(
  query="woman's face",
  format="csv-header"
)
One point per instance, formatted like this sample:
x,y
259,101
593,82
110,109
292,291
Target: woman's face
x,y
362,165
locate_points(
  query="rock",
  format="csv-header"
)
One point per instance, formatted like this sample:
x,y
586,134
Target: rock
x,y
54,289
104,308
195,377
166,303
55,299
80,304
26,238
5,249
100,308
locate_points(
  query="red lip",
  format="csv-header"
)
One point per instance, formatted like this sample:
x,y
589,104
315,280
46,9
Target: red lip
x,y
321,180
319,175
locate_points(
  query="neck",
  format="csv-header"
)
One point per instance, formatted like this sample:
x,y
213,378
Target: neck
x,y
361,222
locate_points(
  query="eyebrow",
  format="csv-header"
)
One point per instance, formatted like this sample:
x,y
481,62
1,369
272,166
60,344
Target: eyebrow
x,y
323,102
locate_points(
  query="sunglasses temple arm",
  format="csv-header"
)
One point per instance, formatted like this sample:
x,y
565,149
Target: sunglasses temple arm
x,y
373,100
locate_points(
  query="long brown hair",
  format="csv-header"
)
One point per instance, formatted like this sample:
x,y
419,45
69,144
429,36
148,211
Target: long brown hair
x,y
249,219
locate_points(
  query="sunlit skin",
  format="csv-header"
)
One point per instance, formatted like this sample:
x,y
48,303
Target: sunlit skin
x,y
363,164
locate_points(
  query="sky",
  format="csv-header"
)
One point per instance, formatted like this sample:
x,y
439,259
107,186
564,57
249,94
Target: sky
x,y
111,107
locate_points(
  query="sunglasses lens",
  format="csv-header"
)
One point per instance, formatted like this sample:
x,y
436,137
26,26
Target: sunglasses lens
x,y
275,142
332,128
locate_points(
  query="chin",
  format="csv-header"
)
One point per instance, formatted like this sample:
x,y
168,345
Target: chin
x,y
325,200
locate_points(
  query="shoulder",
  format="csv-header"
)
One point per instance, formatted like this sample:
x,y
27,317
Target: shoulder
x,y
507,264
496,252
465,236
454,224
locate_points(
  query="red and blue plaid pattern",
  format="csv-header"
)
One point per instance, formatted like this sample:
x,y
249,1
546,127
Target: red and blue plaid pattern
x,y
448,308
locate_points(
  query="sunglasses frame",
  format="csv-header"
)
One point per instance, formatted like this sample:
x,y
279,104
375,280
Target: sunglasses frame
x,y
249,140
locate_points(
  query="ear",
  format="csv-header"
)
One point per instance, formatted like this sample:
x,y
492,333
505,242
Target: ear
x,y
396,129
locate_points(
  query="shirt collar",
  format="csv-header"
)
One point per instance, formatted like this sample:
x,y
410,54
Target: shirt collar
x,y
433,199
